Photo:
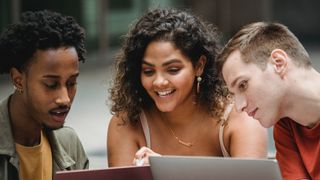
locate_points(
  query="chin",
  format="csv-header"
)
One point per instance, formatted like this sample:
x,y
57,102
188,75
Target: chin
x,y
51,127
164,109
266,124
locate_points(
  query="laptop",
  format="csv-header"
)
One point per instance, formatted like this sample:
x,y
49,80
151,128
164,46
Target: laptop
x,y
204,168
118,173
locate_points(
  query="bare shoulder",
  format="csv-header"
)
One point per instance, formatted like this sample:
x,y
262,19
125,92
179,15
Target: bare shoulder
x,y
247,137
123,141
241,121
119,127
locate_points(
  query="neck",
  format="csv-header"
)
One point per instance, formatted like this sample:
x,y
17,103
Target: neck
x,y
25,129
185,126
180,116
185,112
302,102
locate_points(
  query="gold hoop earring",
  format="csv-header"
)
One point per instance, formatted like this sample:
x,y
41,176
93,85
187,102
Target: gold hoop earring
x,y
199,79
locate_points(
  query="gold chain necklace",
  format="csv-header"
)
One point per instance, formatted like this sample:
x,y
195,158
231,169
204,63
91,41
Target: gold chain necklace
x,y
180,141
187,144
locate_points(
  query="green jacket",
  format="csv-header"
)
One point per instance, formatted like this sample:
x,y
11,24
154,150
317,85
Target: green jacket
x,y
67,150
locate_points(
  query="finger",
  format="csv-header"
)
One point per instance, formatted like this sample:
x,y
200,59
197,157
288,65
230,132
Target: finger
x,y
141,152
140,162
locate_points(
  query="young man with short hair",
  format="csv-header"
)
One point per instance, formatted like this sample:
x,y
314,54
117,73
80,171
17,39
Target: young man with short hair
x,y
41,53
270,74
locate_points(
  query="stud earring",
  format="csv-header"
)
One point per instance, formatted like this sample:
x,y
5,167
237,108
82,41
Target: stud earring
x,y
199,79
19,90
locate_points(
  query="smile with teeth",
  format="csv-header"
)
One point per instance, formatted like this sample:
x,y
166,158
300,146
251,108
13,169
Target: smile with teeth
x,y
60,112
165,93
59,115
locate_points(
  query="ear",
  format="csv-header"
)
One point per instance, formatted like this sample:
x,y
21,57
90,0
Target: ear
x,y
200,65
279,59
16,77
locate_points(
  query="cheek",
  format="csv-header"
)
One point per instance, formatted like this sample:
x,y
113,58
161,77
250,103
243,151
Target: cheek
x,y
145,82
185,83
38,100
35,93
257,95
72,93
187,73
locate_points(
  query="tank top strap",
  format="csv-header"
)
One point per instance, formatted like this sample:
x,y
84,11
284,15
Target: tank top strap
x,y
145,128
221,129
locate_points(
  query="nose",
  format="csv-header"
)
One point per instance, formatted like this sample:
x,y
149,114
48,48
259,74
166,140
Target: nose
x,y
160,81
63,97
241,103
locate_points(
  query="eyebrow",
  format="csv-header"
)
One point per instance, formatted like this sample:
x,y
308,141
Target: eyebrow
x,y
57,77
171,61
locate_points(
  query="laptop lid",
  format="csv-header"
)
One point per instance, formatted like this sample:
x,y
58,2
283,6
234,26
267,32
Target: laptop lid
x,y
203,168
118,173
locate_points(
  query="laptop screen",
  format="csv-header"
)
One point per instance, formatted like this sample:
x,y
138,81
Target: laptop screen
x,y
191,168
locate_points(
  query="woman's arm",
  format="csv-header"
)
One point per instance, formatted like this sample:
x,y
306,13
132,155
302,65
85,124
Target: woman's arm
x,y
247,137
123,141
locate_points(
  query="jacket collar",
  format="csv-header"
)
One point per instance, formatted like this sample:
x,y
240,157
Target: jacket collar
x,y
61,157
7,145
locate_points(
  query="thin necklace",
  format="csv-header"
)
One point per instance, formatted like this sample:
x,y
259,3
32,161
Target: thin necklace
x,y
180,141
187,144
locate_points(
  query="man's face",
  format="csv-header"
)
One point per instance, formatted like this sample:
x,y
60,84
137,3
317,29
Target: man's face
x,y
49,86
256,91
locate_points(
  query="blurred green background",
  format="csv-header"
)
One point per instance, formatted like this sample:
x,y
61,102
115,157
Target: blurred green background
x,y
107,20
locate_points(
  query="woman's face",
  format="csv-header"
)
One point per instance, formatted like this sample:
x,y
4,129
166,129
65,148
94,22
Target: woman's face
x,y
168,76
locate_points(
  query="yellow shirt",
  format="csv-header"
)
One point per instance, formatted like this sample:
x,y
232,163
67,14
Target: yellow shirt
x,y
36,161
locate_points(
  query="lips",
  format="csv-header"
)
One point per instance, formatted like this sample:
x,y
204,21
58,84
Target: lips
x,y
165,93
59,114
253,113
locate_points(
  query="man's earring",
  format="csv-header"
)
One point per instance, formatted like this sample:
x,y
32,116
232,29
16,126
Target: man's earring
x,y
19,90
199,79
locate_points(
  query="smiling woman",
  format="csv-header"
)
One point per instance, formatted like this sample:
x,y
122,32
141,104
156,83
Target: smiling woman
x,y
168,76
168,98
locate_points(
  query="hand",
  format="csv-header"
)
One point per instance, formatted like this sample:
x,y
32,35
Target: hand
x,y
142,156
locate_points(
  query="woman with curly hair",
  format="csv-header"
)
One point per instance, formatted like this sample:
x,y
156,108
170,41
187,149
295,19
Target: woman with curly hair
x,y
168,98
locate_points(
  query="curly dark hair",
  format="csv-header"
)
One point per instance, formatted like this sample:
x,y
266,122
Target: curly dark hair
x,y
40,30
193,36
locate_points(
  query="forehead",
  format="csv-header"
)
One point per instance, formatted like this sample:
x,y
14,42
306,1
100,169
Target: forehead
x,y
161,45
163,50
235,67
233,61
56,61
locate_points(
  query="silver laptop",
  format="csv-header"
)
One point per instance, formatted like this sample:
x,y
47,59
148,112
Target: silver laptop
x,y
203,168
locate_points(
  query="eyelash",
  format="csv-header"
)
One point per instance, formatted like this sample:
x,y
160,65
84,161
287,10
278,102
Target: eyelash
x,y
71,84
243,85
148,72
172,71
51,86
55,85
